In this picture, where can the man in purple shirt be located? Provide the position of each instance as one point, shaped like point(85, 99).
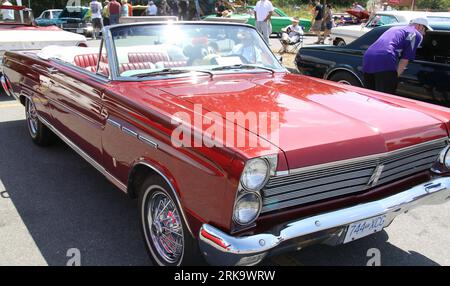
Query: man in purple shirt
point(387, 58)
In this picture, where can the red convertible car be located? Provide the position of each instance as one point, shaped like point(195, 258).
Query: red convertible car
point(337, 163)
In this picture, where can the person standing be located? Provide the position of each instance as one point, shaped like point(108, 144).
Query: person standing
point(184, 6)
point(387, 58)
point(152, 10)
point(114, 12)
point(316, 22)
point(328, 22)
point(263, 13)
point(105, 13)
point(124, 9)
point(130, 9)
point(96, 16)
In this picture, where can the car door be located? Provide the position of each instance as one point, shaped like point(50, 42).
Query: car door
point(76, 106)
point(427, 77)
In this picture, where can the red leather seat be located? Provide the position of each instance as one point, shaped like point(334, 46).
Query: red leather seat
point(152, 57)
point(104, 69)
point(88, 60)
point(136, 66)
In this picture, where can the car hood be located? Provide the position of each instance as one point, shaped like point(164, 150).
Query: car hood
point(319, 122)
point(36, 38)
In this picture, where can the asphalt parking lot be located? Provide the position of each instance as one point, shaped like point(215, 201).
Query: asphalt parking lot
point(51, 201)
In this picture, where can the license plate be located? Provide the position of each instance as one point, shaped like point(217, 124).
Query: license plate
point(80, 31)
point(364, 228)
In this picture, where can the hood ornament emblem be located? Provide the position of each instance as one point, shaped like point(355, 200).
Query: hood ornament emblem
point(375, 176)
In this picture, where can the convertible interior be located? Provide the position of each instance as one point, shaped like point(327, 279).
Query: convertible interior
point(88, 59)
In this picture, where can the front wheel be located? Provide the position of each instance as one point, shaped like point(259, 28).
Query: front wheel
point(345, 78)
point(339, 43)
point(167, 237)
point(39, 133)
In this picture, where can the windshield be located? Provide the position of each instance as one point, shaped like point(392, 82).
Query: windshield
point(15, 16)
point(143, 49)
point(381, 20)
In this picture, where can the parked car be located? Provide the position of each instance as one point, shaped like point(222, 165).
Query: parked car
point(426, 78)
point(19, 34)
point(48, 17)
point(345, 35)
point(279, 19)
point(337, 163)
point(76, 19)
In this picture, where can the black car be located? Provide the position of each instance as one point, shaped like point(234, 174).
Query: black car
point(427, 78)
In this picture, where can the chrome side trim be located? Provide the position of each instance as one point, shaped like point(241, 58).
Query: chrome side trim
point(129, 132)
point(220, 248)
point(114, 123)
point(148, 141)
point(85, 156)
point(173, 191)
point(365, 158)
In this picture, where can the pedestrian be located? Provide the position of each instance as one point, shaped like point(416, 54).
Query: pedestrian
point(124, 9)
point(152, 10)
point(130, 9)
point(96, 16)
point(173, 4)
point(164, 9)
point(105, 13)
point(387, 58)
point(114, 12)
point(184, 4)
point(220, 8)
point(316, 22)
point(328, 22)
point(263, 13)
point(7, 14)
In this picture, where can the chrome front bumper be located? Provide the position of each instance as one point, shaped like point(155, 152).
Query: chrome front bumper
point(220, 248)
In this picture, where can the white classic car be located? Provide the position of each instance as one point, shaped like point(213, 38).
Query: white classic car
point(18, 33)
point(346, 34)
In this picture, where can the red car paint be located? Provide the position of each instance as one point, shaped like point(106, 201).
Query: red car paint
point(321, 122)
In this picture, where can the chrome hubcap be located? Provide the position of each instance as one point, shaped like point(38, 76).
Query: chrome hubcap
point(165, 227)
point(32, 117)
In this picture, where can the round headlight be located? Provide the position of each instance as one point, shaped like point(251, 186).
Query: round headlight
point(255, 174)
point(447, 159)
point(247, 208)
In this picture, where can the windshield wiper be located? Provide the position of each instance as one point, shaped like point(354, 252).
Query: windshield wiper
point(240, 66)
point(168, 71)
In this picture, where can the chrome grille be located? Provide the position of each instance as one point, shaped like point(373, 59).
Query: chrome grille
point(341, 178)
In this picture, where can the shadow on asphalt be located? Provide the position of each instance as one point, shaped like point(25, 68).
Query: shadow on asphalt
point(356, 254)
point(65, 203)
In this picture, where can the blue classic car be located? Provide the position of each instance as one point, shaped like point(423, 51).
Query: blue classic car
point(426, 78)
point(76, 19)
point(48, 17)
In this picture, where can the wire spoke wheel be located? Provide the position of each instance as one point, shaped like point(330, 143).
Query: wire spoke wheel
point(32, 118)
point(165, 227)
